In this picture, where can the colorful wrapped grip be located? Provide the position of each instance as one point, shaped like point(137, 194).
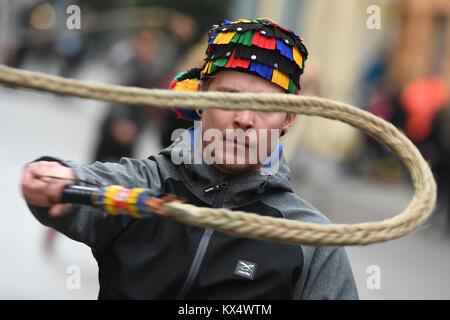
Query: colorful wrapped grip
point(117, 200)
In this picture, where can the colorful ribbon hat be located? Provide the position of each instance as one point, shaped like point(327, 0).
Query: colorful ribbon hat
point(259, 47)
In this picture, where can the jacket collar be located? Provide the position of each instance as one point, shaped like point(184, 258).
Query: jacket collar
point(243, 188)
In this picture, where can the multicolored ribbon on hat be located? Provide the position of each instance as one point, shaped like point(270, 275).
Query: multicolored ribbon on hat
point(259, 47)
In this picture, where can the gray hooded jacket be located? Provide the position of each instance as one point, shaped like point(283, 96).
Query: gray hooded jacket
point(157, 258)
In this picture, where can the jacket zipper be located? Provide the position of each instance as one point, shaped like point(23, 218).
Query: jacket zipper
point(204, 241)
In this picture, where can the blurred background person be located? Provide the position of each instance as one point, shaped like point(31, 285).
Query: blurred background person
point(123, 123)
point(440, 143)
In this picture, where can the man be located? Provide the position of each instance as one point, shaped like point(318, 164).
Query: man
point(157, 258)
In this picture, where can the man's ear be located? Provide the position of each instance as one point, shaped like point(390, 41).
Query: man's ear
point(290, 118)
point(199, 88)
point(200, 85)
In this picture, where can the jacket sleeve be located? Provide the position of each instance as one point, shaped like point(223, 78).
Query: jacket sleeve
point(92, 226)
point(327, 275)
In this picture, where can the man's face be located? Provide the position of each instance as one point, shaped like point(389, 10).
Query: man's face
point(247, 137)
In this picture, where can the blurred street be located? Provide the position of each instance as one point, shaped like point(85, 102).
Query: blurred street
point(34, 124)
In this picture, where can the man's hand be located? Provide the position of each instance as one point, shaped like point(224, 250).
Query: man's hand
point(46, 192)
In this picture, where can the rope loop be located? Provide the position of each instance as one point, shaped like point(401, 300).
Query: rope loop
point(252, 225)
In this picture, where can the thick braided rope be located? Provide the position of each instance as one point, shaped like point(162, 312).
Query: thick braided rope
point(253, 225)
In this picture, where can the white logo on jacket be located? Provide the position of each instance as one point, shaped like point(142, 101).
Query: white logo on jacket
point(246, 269)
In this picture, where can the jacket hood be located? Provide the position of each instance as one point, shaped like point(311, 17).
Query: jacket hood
point(202, 178)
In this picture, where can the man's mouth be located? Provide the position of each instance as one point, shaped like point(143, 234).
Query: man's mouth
point(237, 144)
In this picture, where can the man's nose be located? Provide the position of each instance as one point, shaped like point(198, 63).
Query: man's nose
point(244, 120)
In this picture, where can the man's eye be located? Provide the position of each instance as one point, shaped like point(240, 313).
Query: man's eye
point(265, 113)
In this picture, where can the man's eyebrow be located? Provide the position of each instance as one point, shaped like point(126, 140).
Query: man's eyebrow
point(226, 89)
